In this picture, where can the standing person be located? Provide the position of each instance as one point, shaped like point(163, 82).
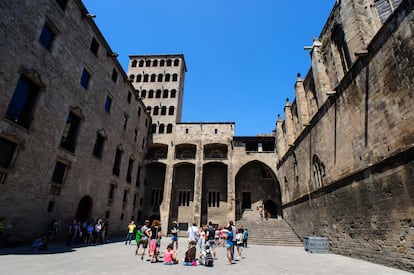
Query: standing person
point(202, 237)
point(174, 235)
point(73, 232)
point(138, 236)
point(229, 243)
point(90, 229)
point(211, 234)
point(239, 242)
point(145, 233)
point(261, 212)
point(155, 240)
point(234, 232)
point(97, 231)
point(130, 235)
point(192, 233)
point(245, 236)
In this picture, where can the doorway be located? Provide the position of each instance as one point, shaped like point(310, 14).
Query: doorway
point(84, 209)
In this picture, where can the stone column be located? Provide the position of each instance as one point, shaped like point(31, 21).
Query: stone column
point(301, 102)
point(320, 76)
point(290, 128)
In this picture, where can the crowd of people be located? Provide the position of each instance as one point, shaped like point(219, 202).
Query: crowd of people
point(205, 238)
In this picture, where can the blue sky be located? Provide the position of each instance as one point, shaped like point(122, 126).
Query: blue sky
point(242, 56)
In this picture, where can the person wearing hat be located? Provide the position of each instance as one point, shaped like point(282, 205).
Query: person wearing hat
point(174, 235)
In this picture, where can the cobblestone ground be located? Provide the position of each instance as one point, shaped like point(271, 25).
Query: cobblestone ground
point(117, 258)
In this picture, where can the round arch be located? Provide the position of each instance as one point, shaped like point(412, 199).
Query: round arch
point(256, 184)
point(84, 210)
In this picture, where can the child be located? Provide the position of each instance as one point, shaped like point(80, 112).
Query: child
point(169, 256)
point(190, 255)
point(206, 258)
point(138, 236)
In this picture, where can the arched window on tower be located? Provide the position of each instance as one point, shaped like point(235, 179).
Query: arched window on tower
point(171, 110)
point(153, 76)
point(146, 76)
point(161, 129)
point(148, 63)
point(169, 62)
point(158, 94)
point(167, 77)
point(156, 110)
point(160, 77)
point(155, 63)
point(176, 62)
point(150, 93)
point(174, 77)
point(149, 109)
point(154, 128)
point(173, 92)
point(134, 63)
point(141, 63)
point(169, 128)
point(139, 78)
point(163, 110)
point(162, 63)
point(385, 8)
point(131, 77)
point(143, 93)
point(165, 94)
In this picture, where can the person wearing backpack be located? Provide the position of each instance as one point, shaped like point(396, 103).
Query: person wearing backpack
point(206, 257)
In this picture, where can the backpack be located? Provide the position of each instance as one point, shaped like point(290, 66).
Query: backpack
point(208, 260)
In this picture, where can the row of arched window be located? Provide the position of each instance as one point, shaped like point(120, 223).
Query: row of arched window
point(153, 77)
point(155, 63)
point(161, 128)
point(157, 94)
point(161, 110)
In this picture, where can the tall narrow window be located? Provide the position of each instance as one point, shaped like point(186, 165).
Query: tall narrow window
point(125, 122)
point(161, 129)
point(154, 128)
point(155, 63)
point(150, 93)
point(139, 111)
point(7, 151)
point(46, 37)
point(174, 77)
point(167, 77)
point(139, 78)
point(148, 63)
point(108, 103)
point(176, 62)
point(171, 110)
point(156, 196)
point(165, 94)
point(111, 193)
point(129, 97)
point(85, 79)
point(59, 172)
point(318, 171)
point(146, 77)
point(117, 162)
point(162, 63)
point(135, 134)
point(143, 93)
point(169, 128)
point(160, 76)
point(141, 63)
point(99, 145)
point(153, 77)
point(129, 171)
point(138, 179)
point(158, 94)
point(70, 133)
point(163, 110)
point(169, 62)
point(173, 93)
point(22, 105)
point(134, 63)
point(94, 46)
point(155, 110)
point(114, 75)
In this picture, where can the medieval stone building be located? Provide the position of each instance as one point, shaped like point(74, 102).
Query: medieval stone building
point(345, 147)
point(80, 138)
point(73, 133)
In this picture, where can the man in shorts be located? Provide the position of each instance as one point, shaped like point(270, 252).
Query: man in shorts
point(144, 237)
point(211, 231)
point(174, 235)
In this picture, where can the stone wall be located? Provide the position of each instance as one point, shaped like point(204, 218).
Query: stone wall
point(363, 137)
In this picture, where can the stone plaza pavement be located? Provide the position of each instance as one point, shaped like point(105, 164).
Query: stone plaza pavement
point(115, 257)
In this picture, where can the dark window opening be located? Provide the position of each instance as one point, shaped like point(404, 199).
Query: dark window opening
point(129, 171)
point(70, 132)
point(94, 46)
point(46, 37)
point(99, 145)
point(108, 103)
point(22, 105)
point(59, 172)
point(50, 206)
point(117, 162)
point(184, 198)
point(114, 75)
point(169, 128)
point(85, 79)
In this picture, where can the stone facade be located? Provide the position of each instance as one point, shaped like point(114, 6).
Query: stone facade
point(346, 167)
point(58, 136)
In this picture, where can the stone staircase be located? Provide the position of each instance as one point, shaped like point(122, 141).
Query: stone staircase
point(275, 232)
